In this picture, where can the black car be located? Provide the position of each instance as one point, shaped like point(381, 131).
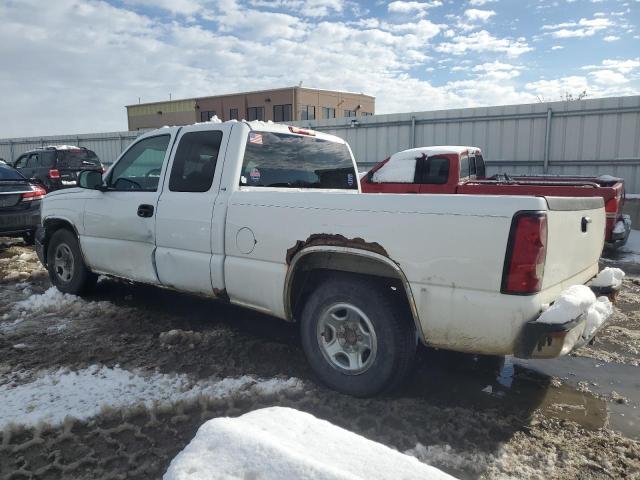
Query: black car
point(57, 166)
point(20, 204)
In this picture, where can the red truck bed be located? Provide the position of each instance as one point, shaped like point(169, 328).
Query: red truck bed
point(461, 170)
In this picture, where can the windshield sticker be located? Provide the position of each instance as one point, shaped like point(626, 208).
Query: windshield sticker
point(255, 175)
point(255, 138)
point(350, 179)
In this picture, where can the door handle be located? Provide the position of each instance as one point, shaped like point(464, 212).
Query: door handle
point(585, 223)
point(145, 211)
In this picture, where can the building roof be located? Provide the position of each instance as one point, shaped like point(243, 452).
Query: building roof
point(246, 93)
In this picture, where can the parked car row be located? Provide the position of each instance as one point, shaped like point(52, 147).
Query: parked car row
point(33, 174)
point(461, 170)
point(270, 217)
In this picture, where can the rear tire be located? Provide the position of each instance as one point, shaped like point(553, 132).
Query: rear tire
point(356, 337)
point(67, 270)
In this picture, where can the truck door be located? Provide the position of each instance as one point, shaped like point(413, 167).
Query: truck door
point(119, 223)
point(432, 175)
point(187, 249)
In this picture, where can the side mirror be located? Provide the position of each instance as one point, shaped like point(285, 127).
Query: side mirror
point(91, 179)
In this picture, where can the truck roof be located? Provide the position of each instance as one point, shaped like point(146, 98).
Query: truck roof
point(412, 153)
point(267, 126)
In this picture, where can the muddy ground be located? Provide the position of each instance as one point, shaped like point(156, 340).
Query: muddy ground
point(569, 418)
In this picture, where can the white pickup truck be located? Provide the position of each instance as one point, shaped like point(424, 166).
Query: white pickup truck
point(271, 217)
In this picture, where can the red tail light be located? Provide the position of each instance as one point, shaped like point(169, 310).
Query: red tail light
point(54, 174)
point(526, 254)
point(38, 193)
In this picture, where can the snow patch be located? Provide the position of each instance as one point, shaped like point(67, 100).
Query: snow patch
point(82, 394)
point(277, 443)
point(575, 301)
point(608, 277)
point(50, 298)
point(572, 302)
point(400, 170)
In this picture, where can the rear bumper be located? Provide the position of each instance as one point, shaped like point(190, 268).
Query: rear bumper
point(545, 340)
point(620, 232)
point(19, 222)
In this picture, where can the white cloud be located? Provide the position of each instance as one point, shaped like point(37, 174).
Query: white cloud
point(483, 41)
point(479, 3)
point(609, 77)
point(306, 8)
point(611, 38)
point(557, 47)
point(498, 70)
point(473, 14)
point(582, 28)
point(413, 8)
point(622, 66)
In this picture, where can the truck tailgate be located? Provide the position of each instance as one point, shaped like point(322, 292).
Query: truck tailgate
point(576, 230)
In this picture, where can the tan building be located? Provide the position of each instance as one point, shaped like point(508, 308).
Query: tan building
point(279, 105)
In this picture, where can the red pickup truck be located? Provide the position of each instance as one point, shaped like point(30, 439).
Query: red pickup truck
point(461, 170)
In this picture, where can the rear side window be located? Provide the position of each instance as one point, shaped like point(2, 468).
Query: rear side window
point(195, 162)
point(79, 159)
point(480, 169)
point(435, 171)
point(296, 161)
point(464, 166)
point(472, 165)
point(47, 159)
point(32, 162)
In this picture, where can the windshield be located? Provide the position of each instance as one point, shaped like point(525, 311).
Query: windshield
point(8, 173)
point(79, 159)
point(295, 161)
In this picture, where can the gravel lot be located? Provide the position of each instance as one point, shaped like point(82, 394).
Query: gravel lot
point(569, 418)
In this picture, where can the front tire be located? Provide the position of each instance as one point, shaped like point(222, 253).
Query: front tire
point(356, 337)
point(66, 266)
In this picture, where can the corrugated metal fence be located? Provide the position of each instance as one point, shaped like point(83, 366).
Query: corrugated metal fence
point(587, 137)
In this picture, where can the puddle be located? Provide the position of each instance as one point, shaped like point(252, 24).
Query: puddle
point(602, 380)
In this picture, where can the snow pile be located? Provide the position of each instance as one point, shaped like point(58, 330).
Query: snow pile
point(396, 170)
point(278, 443)
point(575, 301)
point(608, 277)
point(54, 306)
point(52, 298)
point(84, 393)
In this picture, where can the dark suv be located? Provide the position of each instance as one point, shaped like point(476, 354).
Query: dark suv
point(57, 166)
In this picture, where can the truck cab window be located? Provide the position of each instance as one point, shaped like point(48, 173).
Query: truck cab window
point(140, 167)
point(436, 171)
point(472, 166)
point(296, 161)
point(464, 166)
point(195, 160)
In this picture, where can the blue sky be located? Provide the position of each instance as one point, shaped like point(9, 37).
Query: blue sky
point(70, 66)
